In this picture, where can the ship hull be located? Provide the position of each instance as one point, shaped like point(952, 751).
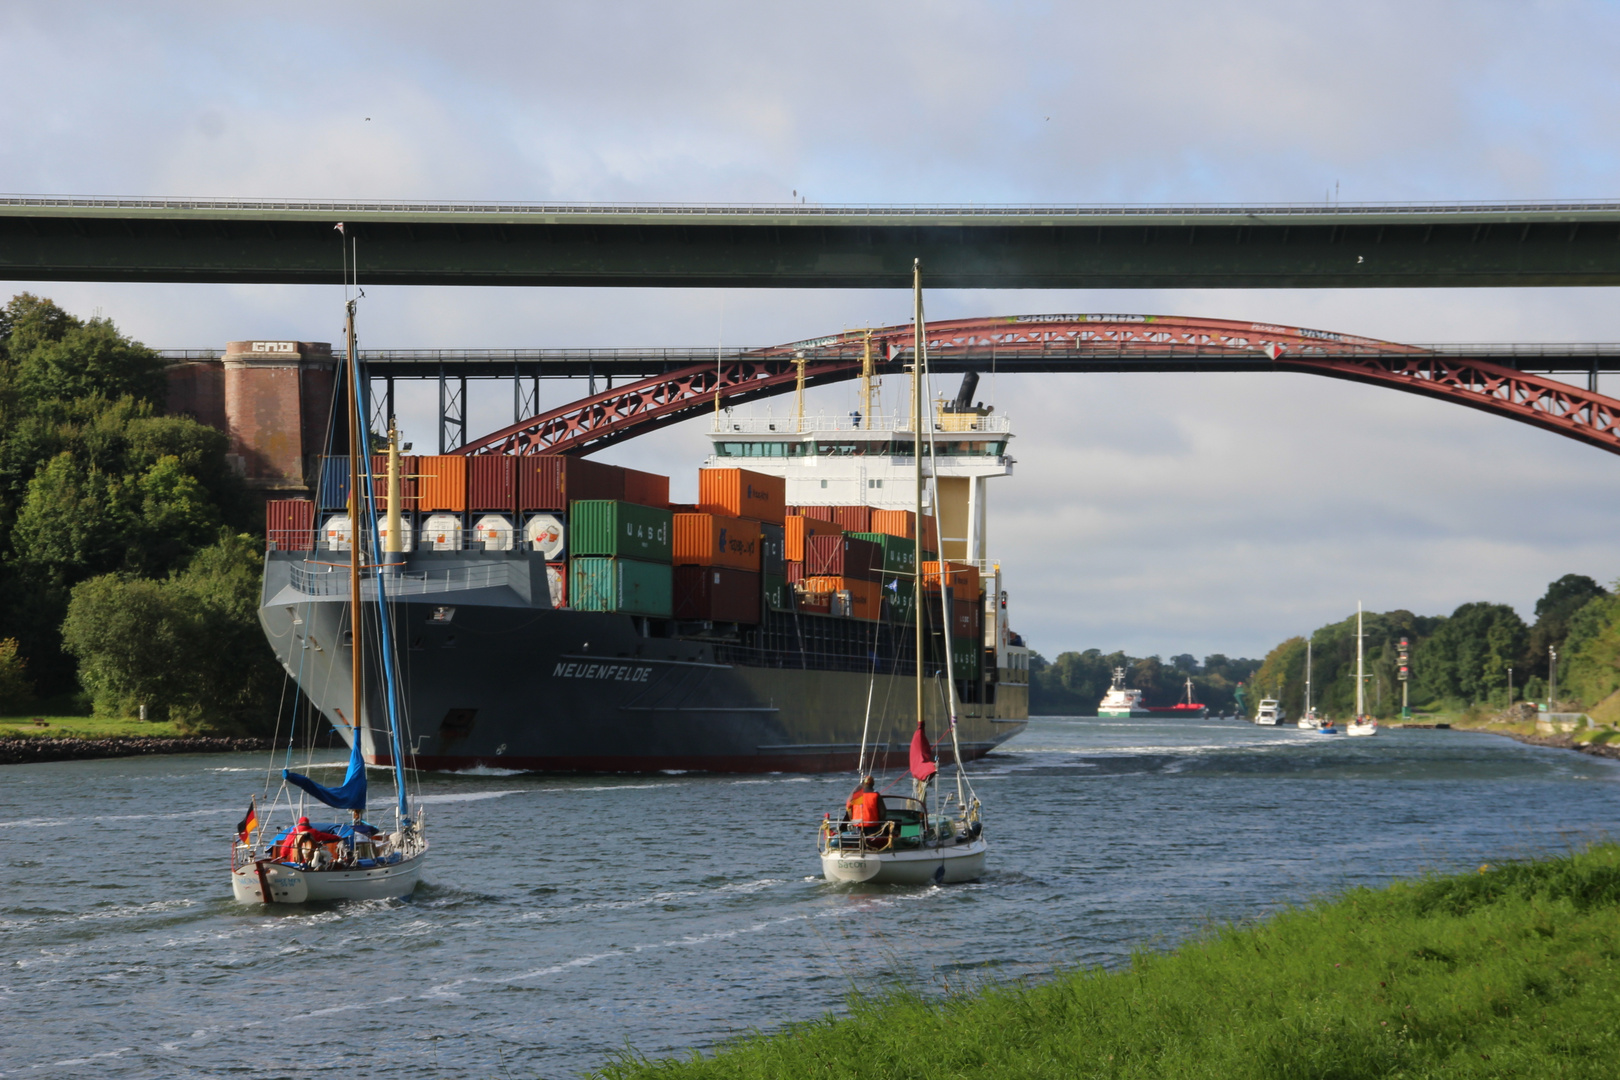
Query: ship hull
point(490, 679)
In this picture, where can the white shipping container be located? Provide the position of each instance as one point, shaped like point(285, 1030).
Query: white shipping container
point(442, 532)
point(545, 533)
point(494, 532)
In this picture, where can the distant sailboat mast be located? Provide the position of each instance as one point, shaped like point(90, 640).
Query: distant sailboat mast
point(1307, 677)
point(1361, 686)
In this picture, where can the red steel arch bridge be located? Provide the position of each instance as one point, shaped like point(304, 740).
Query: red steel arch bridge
point(666, 386)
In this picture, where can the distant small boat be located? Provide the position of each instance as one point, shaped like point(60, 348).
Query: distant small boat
point(1309, 722)
point(1362, 725)
point(1190, 709)
point(1121, 700)
point(1271, 713)
point(1326, 728)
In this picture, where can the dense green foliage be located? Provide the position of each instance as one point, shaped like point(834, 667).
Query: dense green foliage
point(1510, 971)
point(1460, 659)
point(96, 483)
point(1072, 684)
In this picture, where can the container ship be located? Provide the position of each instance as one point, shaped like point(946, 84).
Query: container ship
point(559, 614)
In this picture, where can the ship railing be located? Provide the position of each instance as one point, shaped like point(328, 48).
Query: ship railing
point(944, 422)
point(315, 579)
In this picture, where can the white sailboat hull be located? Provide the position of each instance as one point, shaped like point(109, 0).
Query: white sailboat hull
point(291, 885)
point(948, 865)
point(1361, 729)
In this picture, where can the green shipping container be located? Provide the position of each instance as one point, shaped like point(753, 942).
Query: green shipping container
point(620, 530)
point(627, 586)
point(899, 600)
point(778, 595)
point(965, 657)
point(899, 554)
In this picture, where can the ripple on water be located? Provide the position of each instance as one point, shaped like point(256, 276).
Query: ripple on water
point(561, 917)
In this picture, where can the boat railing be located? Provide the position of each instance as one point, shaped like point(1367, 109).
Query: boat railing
point(320, 579)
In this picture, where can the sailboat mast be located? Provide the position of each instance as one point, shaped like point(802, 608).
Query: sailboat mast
point(1307, 677)
point(918, 606)
point(1361, 685)
point(356, 446)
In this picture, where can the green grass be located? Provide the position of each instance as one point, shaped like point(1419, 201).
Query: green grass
point(1512, 971)
point(86, 727)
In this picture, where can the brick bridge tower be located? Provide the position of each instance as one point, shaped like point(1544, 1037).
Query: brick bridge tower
point(273, 399)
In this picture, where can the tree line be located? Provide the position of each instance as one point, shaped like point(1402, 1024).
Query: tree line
point(1072, 684)
point(129, 551)
point(1477, 655)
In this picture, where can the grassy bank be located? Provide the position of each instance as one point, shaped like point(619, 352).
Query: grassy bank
point(1511, 971)
point(86, 727)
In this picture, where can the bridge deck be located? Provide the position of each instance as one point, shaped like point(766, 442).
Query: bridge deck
point(59, 238)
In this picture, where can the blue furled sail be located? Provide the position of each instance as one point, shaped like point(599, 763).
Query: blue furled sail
point(349, 795)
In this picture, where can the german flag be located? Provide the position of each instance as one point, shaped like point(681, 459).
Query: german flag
point(249, 822)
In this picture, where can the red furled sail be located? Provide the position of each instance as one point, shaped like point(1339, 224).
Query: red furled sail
point(922, 756)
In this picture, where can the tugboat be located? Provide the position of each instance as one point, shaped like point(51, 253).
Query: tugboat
point(1189, 709)
point(1121, 701)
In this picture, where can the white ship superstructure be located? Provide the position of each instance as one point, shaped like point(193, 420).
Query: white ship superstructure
point(866, 459)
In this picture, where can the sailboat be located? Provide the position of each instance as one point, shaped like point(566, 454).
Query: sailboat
point(1308, 719)
point(928, 837)
point(1361, 723)
point(307, 861)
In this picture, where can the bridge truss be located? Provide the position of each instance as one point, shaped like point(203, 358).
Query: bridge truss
point(1490, 378)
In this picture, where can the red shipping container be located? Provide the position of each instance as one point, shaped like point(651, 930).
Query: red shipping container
point(552, 481)
point(407, 481)
point(795, 571)
point(289, 525)
point(853, 518)
point(901, 523)
point(843, 556)
point(800, 527)
point(717, 592)
point(865, 598)
point(964, 617)
point(646, 489)
point(712, 540)
point(441, 483)
point(744, 494)
point(492, 482)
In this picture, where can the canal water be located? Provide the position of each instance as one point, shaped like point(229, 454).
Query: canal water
point(564, 920)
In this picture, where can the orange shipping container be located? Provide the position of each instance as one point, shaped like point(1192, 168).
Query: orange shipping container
point(865, 597)
point(853, 518)
point(800, 528)
point(646, 489)
point(441, 483)
point(744, 494)
point(895, 523)
point(713, 540)
point(963, 578)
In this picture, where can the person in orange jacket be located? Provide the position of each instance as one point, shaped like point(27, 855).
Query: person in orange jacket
point(300, 843)
point(864, 810)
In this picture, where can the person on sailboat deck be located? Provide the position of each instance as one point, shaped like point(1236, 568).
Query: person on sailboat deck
point(864, 809)
point(299, 846)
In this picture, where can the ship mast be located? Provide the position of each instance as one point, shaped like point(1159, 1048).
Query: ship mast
point(917, 602)
point(356, 446)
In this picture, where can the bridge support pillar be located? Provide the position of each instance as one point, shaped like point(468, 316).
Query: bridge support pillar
point(272, 400)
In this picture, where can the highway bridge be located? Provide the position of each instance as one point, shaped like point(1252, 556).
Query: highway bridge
point(1324, 245)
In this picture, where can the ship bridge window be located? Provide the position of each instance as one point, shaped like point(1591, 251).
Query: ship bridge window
point(764, 449)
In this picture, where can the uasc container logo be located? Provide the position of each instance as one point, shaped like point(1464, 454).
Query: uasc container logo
point(644, 532)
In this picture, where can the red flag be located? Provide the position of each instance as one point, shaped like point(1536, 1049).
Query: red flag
point(922, 756)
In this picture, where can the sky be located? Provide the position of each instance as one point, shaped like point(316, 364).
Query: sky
point(1157, 513)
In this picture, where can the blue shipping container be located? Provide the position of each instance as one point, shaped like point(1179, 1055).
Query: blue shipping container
point(334, 483)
